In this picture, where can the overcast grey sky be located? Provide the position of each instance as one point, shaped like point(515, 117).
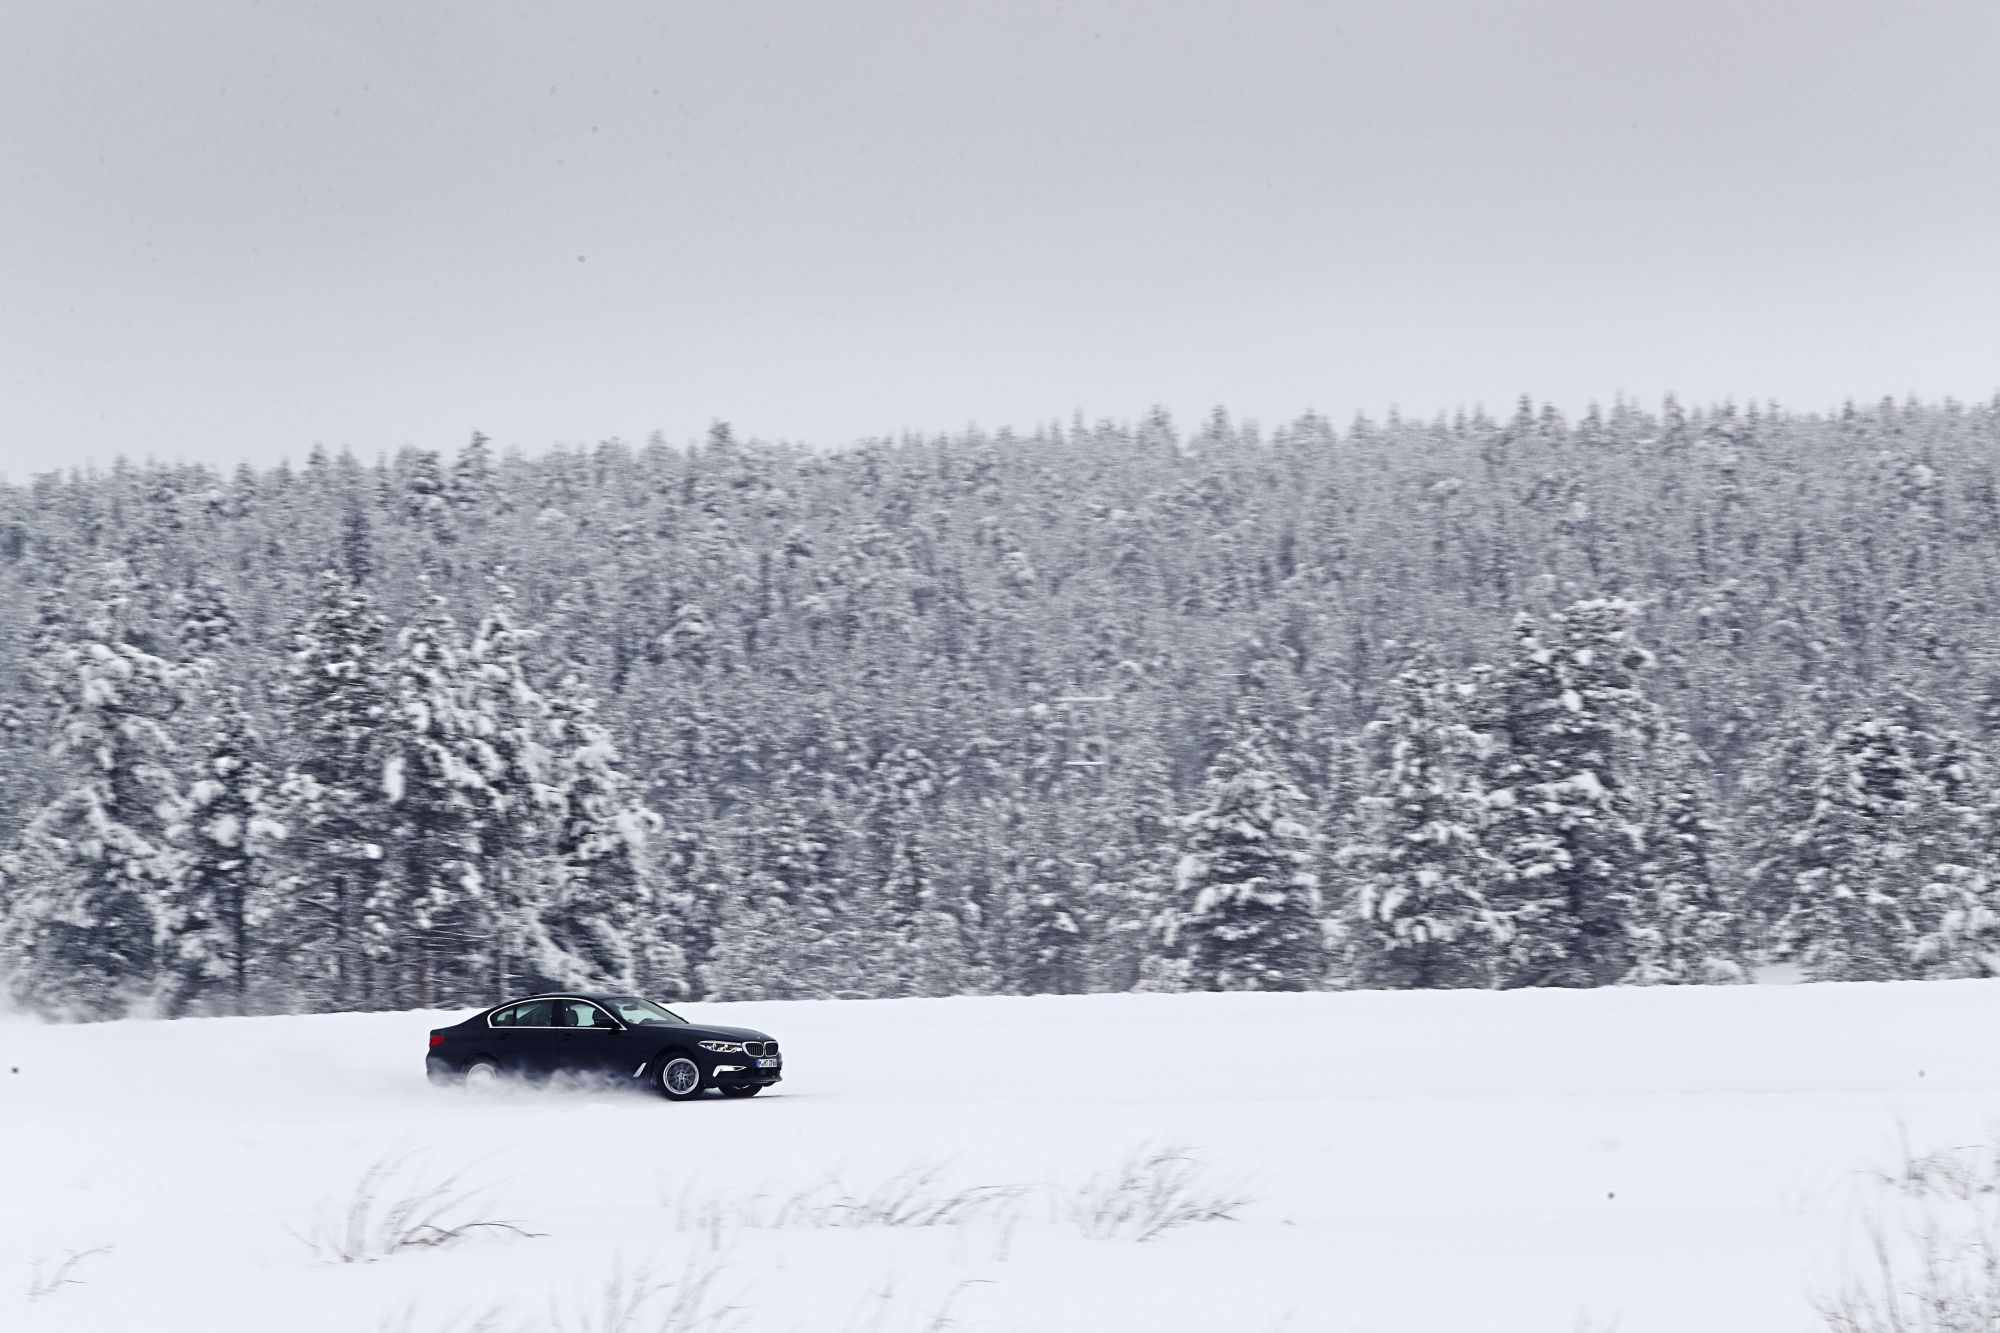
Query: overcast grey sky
point(229, 230)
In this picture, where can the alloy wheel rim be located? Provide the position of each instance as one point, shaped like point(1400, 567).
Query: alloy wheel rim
point(681, 1076)
point(481, 1078)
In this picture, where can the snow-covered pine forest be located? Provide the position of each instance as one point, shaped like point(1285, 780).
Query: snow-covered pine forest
point(1646, 696)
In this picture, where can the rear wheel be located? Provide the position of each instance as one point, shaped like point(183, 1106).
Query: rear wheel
point(678, 1078)
point(481, 1077)
point(746, 1090)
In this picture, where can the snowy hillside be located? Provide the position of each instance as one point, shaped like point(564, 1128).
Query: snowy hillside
point(1655, 1160)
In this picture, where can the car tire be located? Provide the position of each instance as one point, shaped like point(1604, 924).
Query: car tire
point(481, 1077)
point(678, 1077)
point(747, 1090)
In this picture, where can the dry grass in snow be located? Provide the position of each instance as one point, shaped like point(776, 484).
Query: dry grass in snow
point(1154, 1191)
point(400, 1204)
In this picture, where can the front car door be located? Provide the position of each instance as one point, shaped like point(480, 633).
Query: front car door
point(593, 1044)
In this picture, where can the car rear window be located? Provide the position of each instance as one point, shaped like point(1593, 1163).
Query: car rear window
point(533, 1014)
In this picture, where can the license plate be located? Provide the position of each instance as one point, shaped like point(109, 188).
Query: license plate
point(770, 1063)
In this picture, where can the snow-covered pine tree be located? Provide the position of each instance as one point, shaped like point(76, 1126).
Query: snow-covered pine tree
point(1567, 827)
point(337, 704)
point(425, 499)
point(521, 800)
point(905, 938)
point(1048, 957)
point(472, 489)
point(756, 951)
point(1961, 936)
point(231, 827)
point(89, 877)
point(690, 639)
point(1856, 863)
point(1776, 802)
point(425, 918)
point(783, 933)
point(942, 956)
point(1419, 914)
point(798, 846)
point(1887, 874)
point(911, 945)
point(1686, 926)
point(690, 897)
point(1341, 817)
point(208, 622)
point(604, 925)
point(1132, 853)
point(1961, 917)
point(1248, 909)
point(778, 929)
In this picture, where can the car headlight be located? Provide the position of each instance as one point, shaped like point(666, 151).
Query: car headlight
point(723, 1047)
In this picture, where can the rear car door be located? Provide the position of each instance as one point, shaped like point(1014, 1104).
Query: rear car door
point(523, 1037)
point(593, 1043)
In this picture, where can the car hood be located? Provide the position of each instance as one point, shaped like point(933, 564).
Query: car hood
point(700, 1030)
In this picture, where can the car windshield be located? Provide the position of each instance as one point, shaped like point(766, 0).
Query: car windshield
point(644, 1013)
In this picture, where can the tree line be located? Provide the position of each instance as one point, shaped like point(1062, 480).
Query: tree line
point(1648, 696)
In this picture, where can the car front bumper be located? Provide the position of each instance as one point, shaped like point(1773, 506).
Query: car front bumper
point(738, 1071)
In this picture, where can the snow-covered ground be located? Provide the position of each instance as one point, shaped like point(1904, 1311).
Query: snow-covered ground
point(1673, 1159)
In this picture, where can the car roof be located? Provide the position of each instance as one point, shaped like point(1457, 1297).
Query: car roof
point(595, 997)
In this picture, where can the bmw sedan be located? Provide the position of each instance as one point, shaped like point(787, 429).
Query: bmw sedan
point(620, 1038)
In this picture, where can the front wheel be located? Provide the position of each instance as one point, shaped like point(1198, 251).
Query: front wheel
point(678, 1078)
point(746, 1090)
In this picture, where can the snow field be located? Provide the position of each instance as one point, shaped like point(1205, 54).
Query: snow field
point(1662, 1159)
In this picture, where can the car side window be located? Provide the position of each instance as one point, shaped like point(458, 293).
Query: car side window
point(582, 1014)
point(532, 1014)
